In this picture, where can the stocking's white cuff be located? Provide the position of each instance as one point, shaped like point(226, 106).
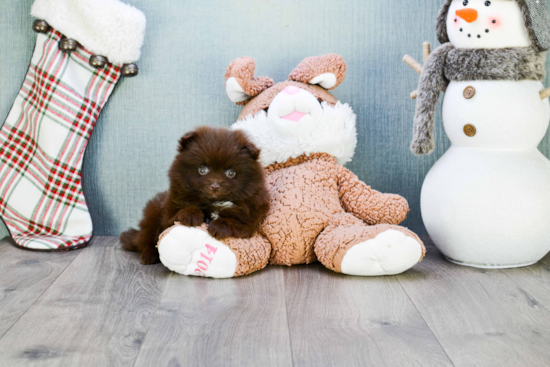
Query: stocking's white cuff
point(105, 27)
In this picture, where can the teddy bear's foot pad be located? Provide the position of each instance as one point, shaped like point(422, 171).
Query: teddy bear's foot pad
point(192, 251)
point(390, 252)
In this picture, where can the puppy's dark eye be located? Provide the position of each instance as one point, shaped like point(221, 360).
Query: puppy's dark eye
point(230, 173)
point(203, 170)
point(487, 3)
point(465, 3)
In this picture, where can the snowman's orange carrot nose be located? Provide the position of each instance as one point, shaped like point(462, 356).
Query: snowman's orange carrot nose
point(468, 15)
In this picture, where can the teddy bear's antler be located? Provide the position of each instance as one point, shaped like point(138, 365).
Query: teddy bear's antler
point(240, 83)
point(328, 71)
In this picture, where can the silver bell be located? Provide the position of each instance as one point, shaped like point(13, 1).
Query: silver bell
point(67, 44)
point(129, 70)
point(40, 26)
point(98, 61)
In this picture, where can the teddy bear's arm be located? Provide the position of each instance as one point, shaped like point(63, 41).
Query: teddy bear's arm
point(371, 206)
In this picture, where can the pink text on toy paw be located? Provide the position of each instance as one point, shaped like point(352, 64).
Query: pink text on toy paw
point(202, 265)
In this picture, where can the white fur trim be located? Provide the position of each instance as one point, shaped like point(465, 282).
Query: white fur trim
point(335, 134)
point(105, 27)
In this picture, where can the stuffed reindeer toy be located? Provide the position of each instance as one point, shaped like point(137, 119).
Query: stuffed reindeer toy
point(320, 211)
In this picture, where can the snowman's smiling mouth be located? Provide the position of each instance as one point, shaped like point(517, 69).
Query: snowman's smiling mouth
point(470, 34)
point(294, 116)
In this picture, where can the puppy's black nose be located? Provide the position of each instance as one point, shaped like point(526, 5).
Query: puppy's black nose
point(215, 186)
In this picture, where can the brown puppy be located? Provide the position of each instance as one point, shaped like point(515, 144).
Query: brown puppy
point(215, 176)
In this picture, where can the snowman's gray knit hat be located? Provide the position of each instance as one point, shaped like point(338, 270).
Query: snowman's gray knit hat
point(534, 14)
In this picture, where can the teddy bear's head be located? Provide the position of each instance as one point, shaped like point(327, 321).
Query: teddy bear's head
point(295, 117)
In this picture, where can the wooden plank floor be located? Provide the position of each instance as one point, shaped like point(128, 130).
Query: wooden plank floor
point(100, 307)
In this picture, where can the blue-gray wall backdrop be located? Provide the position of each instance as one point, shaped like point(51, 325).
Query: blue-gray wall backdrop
point(188, 45)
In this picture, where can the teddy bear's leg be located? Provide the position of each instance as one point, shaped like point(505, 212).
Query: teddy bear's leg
point(192, 251)
point(350, 246)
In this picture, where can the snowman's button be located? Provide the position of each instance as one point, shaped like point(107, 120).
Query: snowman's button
point(469, 130)
point(469, 92)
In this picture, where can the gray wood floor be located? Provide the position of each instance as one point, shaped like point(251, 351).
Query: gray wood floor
point(100, 307)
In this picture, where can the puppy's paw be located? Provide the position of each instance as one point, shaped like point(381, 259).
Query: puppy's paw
point(150, 256)
point(220, 229)
point(190, 217)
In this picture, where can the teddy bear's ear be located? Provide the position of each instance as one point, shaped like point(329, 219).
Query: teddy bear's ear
point(328, 71)
point(240, 83)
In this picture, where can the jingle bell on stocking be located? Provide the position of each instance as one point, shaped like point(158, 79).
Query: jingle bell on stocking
point(83, 48)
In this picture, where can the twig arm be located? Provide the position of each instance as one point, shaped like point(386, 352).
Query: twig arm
point(427, 50)
point(413, 64)
point(545, 93)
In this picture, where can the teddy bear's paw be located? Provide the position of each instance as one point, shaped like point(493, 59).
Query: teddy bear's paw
point(390, 252)
point(192, 251)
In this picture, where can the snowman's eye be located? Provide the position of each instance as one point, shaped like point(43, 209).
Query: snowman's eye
point(487, 3)
point(465, 3)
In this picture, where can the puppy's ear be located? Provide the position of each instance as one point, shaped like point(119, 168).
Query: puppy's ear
point(252, 150)
point(185, 140)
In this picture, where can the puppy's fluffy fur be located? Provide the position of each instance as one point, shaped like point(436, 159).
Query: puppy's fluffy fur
point(203, 188)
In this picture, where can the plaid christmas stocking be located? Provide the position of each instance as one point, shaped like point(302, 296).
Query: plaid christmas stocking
point(74, 69)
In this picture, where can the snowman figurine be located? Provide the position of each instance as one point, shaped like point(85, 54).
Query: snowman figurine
point(486, 202)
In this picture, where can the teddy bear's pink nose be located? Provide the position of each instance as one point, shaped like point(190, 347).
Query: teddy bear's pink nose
point(291, 90)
